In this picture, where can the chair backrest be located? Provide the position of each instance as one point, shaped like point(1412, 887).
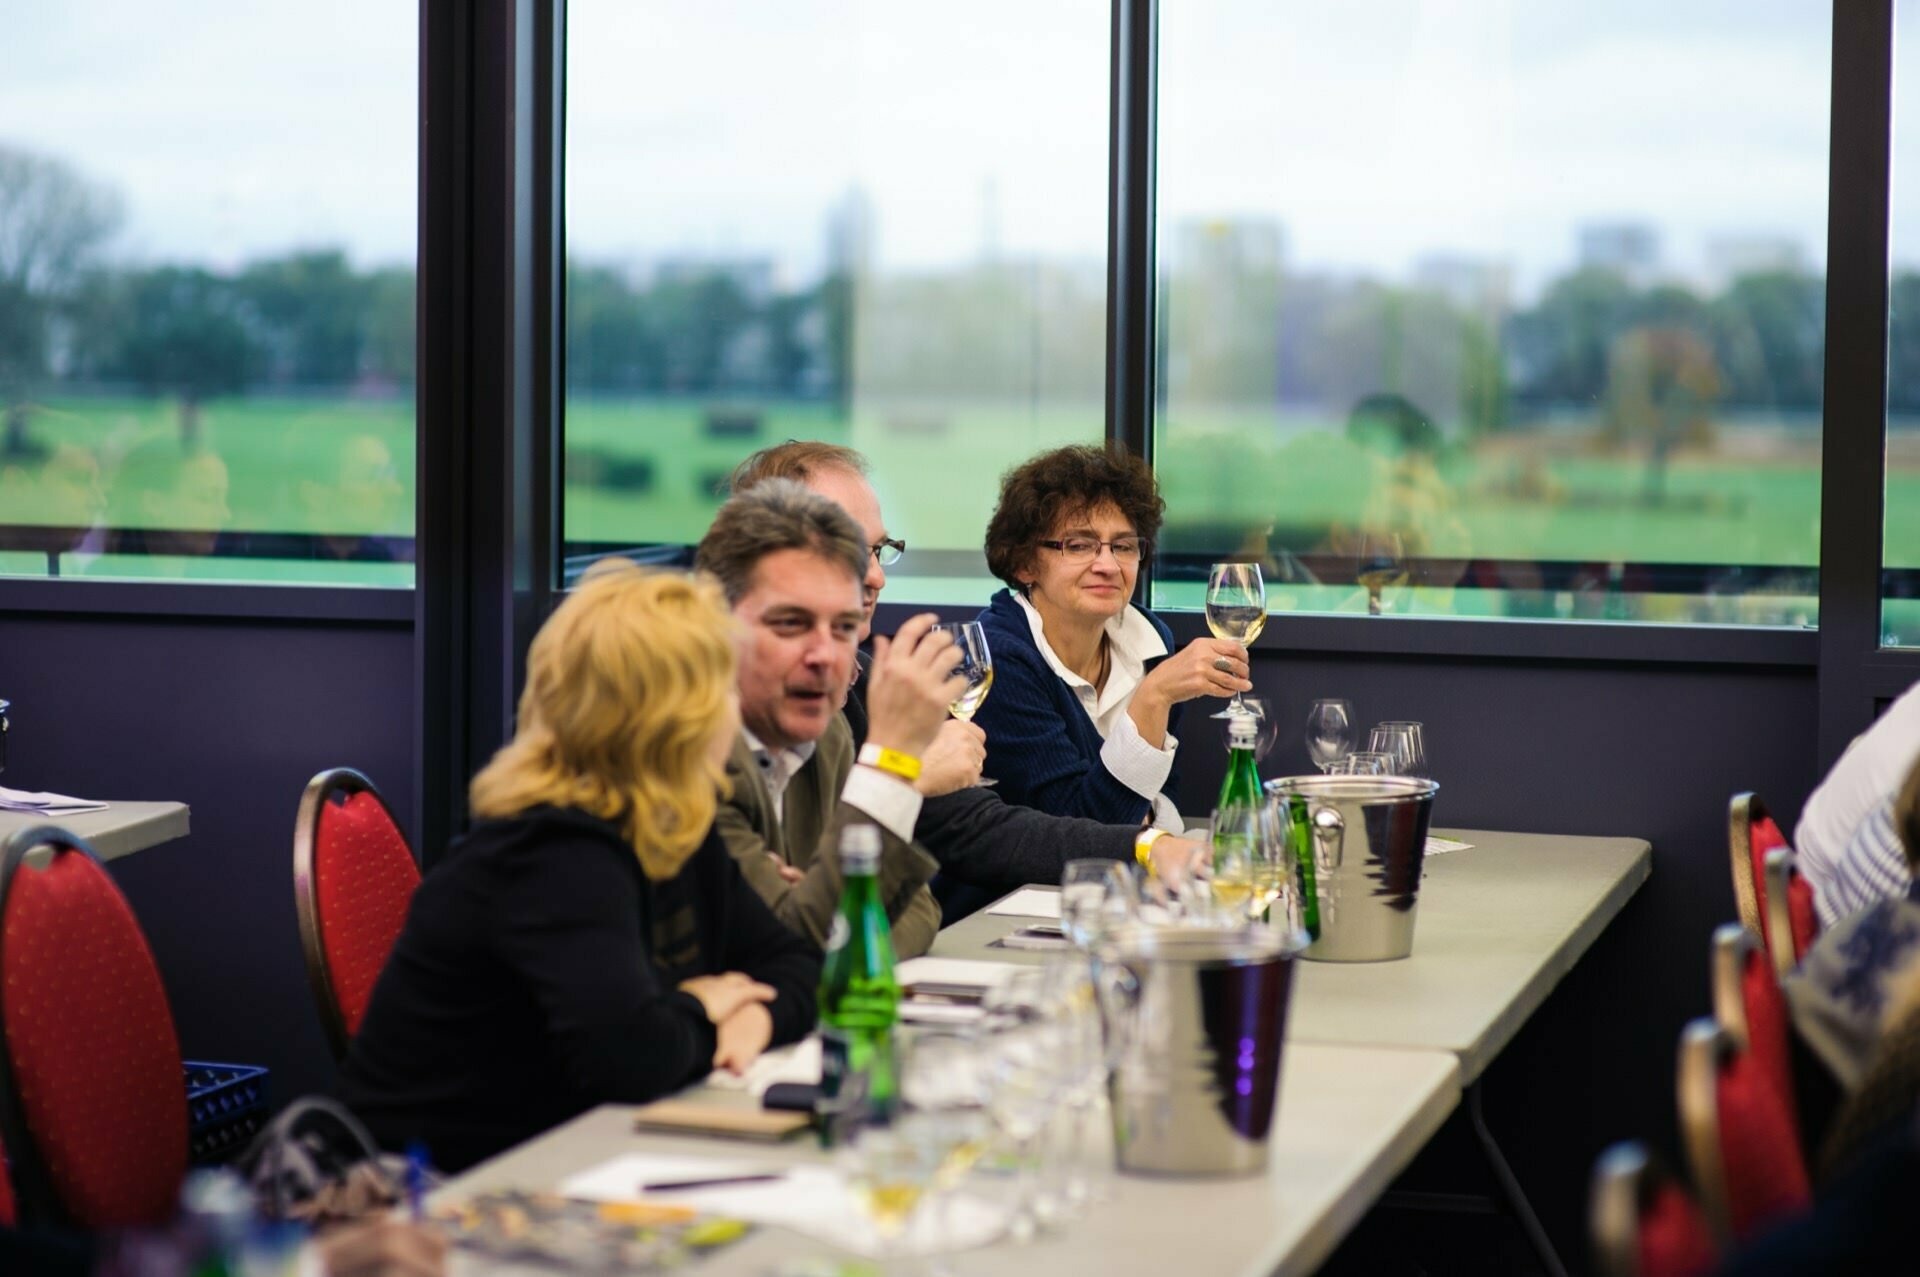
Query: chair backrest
point(92, 1110)
point(1792, 922)
point(1749, 1005)
point(353, 877)
point(1644, 1222)
point(1751, 834)
point(1739, 1134)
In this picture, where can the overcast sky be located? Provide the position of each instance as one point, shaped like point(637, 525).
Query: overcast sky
point(1374, 133)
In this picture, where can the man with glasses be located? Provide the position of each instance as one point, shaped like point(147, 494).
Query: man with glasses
point(985, 846)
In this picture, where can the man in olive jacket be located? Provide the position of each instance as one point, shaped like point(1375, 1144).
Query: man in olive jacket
point(791, 564)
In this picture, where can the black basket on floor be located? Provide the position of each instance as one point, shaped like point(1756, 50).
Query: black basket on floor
point(226, 1105)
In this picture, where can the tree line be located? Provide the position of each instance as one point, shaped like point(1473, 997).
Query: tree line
point(309, 319)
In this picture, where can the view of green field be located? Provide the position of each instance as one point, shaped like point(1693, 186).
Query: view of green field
point(646, 472)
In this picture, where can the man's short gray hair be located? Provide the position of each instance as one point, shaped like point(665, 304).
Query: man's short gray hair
point(775, 515)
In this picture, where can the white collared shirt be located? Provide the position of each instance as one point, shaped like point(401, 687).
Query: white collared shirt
point(1132, 642)
point(888, 799)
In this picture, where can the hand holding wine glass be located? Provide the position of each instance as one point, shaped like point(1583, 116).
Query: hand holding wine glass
point(975, 665)
point(1236, 611)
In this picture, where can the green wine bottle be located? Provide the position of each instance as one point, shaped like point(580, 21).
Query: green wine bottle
point(1241, 788)
point(859, 997)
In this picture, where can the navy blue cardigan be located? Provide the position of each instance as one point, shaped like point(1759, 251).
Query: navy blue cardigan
point(1042, 749)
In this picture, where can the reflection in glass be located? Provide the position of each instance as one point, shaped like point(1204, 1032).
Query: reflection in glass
point(206, 304)
point(1535, 290)
point(822, 238)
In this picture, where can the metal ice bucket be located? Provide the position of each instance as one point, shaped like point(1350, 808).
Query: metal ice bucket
point(1195, 1017)
point(1359, 841)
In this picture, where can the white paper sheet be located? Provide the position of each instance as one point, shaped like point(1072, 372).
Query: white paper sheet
point(1029, 902)
point(808, 1199)
point(45, 804)
point(953, 971)
point(799, 1062)
point(1436, 846)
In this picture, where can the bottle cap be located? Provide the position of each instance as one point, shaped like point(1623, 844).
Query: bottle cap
point(1243, 731)
point(859, 849)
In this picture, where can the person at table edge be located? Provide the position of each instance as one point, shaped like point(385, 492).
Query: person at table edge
point(591, 940)
point(1086, 685)
point(985, 846)
point(790, 563)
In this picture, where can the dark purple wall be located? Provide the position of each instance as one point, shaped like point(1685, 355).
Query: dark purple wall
point(232, 718)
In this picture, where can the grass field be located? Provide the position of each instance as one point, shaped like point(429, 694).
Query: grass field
point(644, 471)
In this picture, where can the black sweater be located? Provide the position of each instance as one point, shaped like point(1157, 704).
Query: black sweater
point(535, 979)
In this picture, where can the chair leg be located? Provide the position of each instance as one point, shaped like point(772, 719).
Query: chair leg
point(1516, 1196)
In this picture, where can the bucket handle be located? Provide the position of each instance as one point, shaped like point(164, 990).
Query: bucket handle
point(1329, 839)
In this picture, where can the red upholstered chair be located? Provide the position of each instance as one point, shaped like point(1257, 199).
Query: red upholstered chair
point(1751, 834)
point(1644, 1222)
point(1748, 1004)
point(353, 876)
point(1792, 923)
point(92, 1111)
point(1739, 1134)
point(9, 1213)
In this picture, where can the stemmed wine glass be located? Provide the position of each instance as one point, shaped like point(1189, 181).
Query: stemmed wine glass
point(1382, 563)
point(1236, 611)
point(1266, 727)
point(1330, 733)
point(976, 664)
point(1249, 855)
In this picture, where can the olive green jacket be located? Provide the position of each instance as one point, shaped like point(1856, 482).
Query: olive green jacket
point(807, 836)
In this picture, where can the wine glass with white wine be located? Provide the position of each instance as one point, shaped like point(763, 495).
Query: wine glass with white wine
point(1236, 611)
point(976, 664)
point(1383, 563)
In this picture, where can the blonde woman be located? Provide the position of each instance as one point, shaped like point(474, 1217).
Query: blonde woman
point(591, 939)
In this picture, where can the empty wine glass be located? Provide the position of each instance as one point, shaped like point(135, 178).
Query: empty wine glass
point(1236, 611)
point(1363, 762)
point(1266, 727)
point(1095, 897)
point(1396, 742)
point(1330, 733)
point(1416, 745)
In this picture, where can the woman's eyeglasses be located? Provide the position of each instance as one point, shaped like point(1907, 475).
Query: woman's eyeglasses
point(1086, 549)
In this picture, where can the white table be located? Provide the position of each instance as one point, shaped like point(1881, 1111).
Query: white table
point(120, 830)
point(1350, 1119)
point(1499, 925)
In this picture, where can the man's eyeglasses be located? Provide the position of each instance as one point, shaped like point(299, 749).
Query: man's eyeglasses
point(1086, 549)
point(887, 551)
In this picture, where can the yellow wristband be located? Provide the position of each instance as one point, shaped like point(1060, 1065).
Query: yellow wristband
point(1143, 847)
point(891, 761)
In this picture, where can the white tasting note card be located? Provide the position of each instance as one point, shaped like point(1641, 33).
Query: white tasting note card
point(1437, 845)
point(1029, 902)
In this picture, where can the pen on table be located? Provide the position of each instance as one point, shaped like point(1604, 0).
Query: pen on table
point(719, 1181)
point(416, 1180)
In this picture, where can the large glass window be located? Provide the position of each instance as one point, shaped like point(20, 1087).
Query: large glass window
point(1509, 310)
point(1900, 559)
point(867, 224)
point(207, 216)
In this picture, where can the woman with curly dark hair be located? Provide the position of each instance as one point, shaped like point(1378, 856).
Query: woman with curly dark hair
point(1086, 686)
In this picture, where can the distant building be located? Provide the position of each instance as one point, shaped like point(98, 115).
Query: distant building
point(1473, 284)
point(1731, 256)
point(1228, 246)
point(1631, 249)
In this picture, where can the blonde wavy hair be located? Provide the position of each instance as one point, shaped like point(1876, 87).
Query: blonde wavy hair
point(627, 683)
